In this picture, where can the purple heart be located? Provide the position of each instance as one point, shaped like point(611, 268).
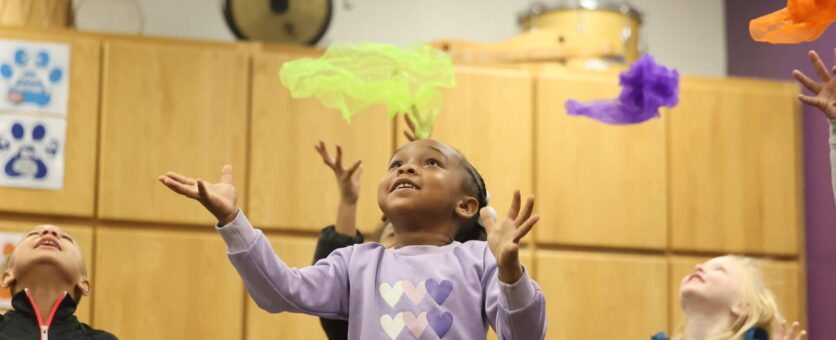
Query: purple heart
point(440, 322)
point(439, 291)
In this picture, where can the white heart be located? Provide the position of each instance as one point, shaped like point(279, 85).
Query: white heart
point(392, 327)
point(391, 294)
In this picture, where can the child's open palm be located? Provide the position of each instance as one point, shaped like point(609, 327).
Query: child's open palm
point(825, 98)
point(504, 240)
point(218, 198)
point(786, 332)
point(348, 180)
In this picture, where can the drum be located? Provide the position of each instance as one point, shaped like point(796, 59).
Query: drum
point(613, 23)
point(302, 22)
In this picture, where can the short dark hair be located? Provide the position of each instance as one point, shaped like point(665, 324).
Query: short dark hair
point(473, 185)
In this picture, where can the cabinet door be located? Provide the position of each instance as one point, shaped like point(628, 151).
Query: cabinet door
point(290, 186)
point(296, 252)
point(598, 184)
point(488, 117)
point(166, 284)
point(175, 107)
point(603, 296)
point(77, 196)
point(82, 234)
point(735, 167)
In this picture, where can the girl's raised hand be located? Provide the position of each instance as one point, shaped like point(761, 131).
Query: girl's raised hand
point(410, 134)
point(786, 332)
point(825, 91)
point(218, 198)
point(348, 180)
point(504, 240)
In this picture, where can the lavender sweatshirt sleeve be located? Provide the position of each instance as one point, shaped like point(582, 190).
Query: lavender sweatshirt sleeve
point(516, 311)
point(321, 289)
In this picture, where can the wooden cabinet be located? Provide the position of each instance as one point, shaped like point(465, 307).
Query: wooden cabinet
point(603, 296)
point(735, 167)
point(168, 106)
point(598, 184)
point(77, 197)
point(166, 284)
point(290, 187)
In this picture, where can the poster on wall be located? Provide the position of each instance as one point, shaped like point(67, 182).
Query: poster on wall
point(34, 76)
point(8, 241)
point(32, 151)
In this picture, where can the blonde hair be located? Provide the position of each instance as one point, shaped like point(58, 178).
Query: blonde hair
point(756, 300)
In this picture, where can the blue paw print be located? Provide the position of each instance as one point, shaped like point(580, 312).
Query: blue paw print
point(34, 80)
point(26, 163)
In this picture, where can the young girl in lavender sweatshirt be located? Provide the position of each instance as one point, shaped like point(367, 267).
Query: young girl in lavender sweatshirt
point(428, 286)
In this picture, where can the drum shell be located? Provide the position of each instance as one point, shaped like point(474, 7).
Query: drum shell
point(618, 29)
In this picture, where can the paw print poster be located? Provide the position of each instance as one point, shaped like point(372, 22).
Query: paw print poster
point(32, 151)
point(34, 76)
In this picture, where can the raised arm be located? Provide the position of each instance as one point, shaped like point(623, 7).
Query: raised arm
point(348, 181)
point(320, 290)
point(514, 303)
point(824, 99)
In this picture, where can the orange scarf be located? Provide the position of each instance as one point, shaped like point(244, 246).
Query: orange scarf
point(800, 21)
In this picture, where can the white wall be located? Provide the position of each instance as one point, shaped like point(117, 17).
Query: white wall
point(686, 34)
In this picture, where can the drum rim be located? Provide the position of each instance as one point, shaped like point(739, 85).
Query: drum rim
point(622, 7)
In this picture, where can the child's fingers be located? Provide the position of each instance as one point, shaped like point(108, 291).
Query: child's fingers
point(323, 152)
point(515, 206)
point(409, 123)
point(359, 173)
point(353, 168)
point(806, 81)
point(180, 178)
point(409, 136)
point(782, 330)
point(526, 211)
point(815, 101)
point(801, 335)
point(203, 193)
point(338, 161)
point(792, 334)
point(180, 188)
point(226, 174)
point(525, 228)
point(491, 216)
point(834, 60)
point(821, 70)
point(486, 218)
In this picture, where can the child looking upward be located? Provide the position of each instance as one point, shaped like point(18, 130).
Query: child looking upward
point(429, 284)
